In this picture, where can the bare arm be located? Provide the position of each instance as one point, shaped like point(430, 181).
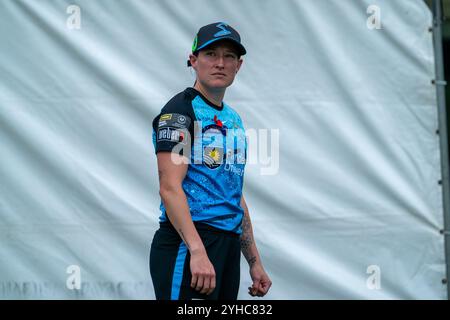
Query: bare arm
point(261, 281)
point(171, 175)
point(248, 245)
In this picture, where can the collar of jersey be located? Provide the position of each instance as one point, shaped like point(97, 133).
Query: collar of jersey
point(195, 91)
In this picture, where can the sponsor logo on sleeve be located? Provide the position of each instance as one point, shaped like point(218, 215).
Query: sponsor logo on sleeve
point(171, 134)
point(166, 116)
point(181, 119)
point(174, 120)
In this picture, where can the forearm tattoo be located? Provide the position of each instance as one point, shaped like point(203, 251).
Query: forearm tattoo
point(184, 239)
point(247, 240)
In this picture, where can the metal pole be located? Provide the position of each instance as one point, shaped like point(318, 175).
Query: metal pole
point(440, 92)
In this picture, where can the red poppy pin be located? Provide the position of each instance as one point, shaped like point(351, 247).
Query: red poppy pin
point(217, 121)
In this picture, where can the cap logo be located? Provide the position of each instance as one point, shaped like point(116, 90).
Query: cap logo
point(223, 31)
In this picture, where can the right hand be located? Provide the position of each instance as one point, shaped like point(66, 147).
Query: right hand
point(203, 274)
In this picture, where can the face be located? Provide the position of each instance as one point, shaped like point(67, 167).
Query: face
point(216, 65)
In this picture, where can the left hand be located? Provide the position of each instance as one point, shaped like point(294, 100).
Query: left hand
point(261, 281)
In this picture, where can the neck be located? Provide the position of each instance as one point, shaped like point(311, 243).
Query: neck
point(213, 95)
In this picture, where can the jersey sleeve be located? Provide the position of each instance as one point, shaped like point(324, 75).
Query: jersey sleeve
point(173, 127)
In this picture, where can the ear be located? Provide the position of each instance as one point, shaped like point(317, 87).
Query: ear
point(193, 60)
point(239, 65)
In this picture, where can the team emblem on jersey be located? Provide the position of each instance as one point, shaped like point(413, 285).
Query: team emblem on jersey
point(213, 144)
point(213, 157)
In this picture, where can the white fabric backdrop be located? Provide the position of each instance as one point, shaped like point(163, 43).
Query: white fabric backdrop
point(357, 184)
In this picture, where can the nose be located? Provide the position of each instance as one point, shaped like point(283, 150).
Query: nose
point(220, 61)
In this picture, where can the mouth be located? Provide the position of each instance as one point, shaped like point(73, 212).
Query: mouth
point(219, 74)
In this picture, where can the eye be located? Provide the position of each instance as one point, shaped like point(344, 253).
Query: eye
point(230, 55)
point(209, 53)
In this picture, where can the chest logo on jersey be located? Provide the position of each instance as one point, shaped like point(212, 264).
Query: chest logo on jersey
point(213, 144)
point(212, 157)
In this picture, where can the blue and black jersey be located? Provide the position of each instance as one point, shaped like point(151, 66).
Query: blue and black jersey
point(213, 139)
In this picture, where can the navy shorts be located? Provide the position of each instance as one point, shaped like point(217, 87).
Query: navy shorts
point(170, 263)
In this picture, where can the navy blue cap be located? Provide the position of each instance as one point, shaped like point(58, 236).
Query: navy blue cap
point(214, 32)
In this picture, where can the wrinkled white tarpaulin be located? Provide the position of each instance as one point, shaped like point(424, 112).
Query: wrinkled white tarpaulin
point(353, 210)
